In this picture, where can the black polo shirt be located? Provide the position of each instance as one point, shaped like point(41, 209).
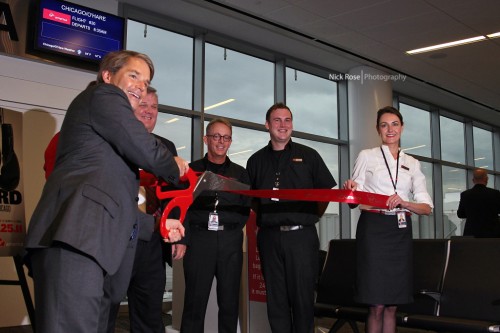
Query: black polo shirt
point(295, 167)
point(231, 208)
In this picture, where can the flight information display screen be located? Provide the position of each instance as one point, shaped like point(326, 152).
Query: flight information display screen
point(81, 32)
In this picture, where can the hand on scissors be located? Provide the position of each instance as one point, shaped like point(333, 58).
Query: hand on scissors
point(175, 230)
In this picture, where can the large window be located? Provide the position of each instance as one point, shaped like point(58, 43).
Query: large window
point(454, 182)
point(463, 154)
point(245, 143)
point(237, 86)
point(416, 137)
point(483, 148)
point(329, 224)
point(313, 101)
point(424, 226)
point(178, 130)
point(172, 55)
point(452, 140)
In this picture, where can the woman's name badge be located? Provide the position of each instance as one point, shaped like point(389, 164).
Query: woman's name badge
point(402, 220)
point(213, 221)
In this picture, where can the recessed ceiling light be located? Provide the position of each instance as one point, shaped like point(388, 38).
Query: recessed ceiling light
point(172, 120)
point(493, 35)
point(446, 45)
point(219, 104)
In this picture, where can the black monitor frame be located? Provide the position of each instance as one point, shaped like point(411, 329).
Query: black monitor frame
point(79, 21)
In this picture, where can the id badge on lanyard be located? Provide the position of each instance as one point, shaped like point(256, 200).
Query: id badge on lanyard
point(402, 220)
point(213, 218)
point(276, 185)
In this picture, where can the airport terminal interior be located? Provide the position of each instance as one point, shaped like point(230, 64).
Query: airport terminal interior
point(334, 63)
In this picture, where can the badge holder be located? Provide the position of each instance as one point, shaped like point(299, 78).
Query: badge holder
point(213, 218)
point(402, 220)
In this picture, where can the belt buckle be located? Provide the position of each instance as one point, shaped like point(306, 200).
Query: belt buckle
point(219, 228)
point(383, 211)
point(395, 212)
point(290, 227)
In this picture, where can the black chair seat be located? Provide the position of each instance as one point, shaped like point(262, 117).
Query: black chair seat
point(325, 310)
point(448, 324)
point(353, 312)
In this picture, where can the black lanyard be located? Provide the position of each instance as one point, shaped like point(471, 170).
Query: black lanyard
point(280, 160)
point(394, 183)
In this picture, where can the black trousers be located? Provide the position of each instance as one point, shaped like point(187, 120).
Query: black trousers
point(212, 254)
point(146, 288)
point(289, 262)
point(72, 292)
point(145, 292)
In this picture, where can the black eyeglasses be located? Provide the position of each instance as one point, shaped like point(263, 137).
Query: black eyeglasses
point(217, 137)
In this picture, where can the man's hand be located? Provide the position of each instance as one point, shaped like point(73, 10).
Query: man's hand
point(175, 230)
point(182, 164)
point(178, 251)
point(351, 185)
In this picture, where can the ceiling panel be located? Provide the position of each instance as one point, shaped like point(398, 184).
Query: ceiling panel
point(292, 17)
point(329, 8)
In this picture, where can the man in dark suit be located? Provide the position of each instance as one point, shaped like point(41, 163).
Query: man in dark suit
point(85, 223)
point(148, 276)
point(480, 205)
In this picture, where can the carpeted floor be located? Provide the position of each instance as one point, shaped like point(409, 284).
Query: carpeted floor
point(122, 325)
point(122, 322)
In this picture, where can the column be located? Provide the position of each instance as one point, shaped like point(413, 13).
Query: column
point(367, 91)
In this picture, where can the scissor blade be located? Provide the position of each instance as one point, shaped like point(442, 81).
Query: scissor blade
point(209, 181)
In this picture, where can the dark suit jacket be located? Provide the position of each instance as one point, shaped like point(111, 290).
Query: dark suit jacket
point(480, 206)
point(147, 222)
point(175, 213)
point(90, 200)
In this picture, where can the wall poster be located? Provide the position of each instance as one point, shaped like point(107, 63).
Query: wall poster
point(12, 215)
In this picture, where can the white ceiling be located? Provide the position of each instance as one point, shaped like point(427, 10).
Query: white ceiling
point(346, 33)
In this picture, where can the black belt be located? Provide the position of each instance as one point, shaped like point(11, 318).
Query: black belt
point(231, 226)
point(386, 212)
point(288, 227)
point(291, 227)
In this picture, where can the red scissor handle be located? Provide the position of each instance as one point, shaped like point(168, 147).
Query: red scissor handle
point(181, 198)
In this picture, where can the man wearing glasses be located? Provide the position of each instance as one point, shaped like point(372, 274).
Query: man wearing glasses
point(214, 237)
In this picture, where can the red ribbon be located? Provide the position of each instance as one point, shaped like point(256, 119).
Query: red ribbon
point(325, 195)
point(184, 198)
